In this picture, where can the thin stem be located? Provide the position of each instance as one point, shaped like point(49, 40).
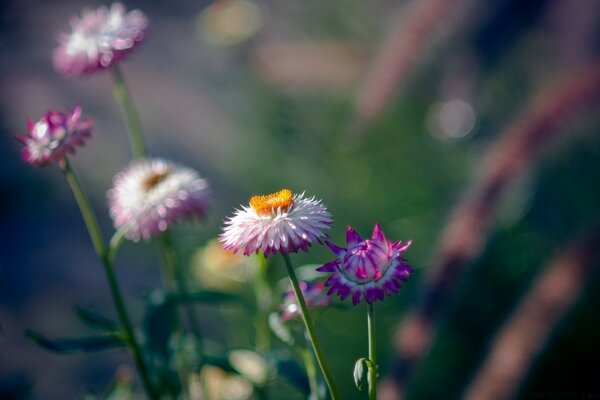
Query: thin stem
point(106, 257)
point(123, 97)
point(372, 379)
point(308, 323)
point(177, 275)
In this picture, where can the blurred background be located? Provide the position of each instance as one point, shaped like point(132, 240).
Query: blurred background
point(470, 127)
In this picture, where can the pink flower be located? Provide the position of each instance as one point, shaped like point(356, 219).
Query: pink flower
point(314, 295)
point(369, 269)
point(54, 136)
point(150, 195)
point(99, 39)
point(276, 223)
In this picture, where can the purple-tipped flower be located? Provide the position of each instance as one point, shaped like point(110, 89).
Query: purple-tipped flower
point(369, 269)
point(314, 295)
point(98, 39)
point(150, 195)
point(276, 223)
point(54, 136)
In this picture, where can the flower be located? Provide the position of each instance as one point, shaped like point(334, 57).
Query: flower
point(314, 295)
point(151, 194)
point(53, 136)
point(276, 223)
point(99, 39)
point(371, 268)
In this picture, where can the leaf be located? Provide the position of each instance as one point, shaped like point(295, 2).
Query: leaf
point(86, 344)
point(95, 320)
point(291, 371)
point(159, 323)
point(359, 371)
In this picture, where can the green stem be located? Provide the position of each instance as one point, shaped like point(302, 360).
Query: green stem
point(106, 256)
point(123, 97)
point(177, 275)
point(308, 323)
point(372, 379)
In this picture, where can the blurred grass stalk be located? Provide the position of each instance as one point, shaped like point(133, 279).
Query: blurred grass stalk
point(531, 325)
point(407, 38)
point(466, 232)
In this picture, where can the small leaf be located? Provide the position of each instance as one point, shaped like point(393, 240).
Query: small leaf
point(86, 344)
point(359, 371)
point(95, 320)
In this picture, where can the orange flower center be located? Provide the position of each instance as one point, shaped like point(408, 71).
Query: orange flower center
point(267, 204)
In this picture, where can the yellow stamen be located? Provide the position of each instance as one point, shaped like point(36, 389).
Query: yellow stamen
point(268, 204)
point(154, 179)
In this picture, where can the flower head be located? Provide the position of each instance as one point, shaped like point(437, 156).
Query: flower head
point(150, 195)
point(369, 269)
point(276, 223)
point(314, 295)
point(98, 39)
point(54, 136)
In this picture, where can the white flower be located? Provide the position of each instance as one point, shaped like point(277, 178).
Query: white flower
point(277, 223)
point(149, 195)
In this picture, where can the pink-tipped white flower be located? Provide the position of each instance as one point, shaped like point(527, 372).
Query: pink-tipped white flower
point(150, 195)
point(277, 223)
point(98, 39)
point(369, 269)
point(55, 135)
point(314, 295)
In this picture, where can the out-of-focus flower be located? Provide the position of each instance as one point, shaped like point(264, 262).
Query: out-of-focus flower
point(54, 136)
point(276, 223)
point(220, 385)
point(150, 195)
point(250, 365)
point(229, 22)
point(98, 39)
point(217, 268)
point(314, 295)
point(369, 269)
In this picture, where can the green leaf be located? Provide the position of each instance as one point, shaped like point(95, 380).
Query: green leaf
point(291, 371)
point(86, 344)
point(95, 320)
point(160, 321)
point(360, 371)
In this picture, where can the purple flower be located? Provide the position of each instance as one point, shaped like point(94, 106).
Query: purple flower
point(98, 39)
point(150, 195)
point(280, 222)
point(314, 295)
point(54, 136)
point(369, 269)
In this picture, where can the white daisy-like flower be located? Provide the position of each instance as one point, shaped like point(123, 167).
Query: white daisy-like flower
point(151, 194)
point(98, 39)
point(276, 223)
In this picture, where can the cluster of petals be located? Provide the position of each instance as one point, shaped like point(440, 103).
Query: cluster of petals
point(151, 194)
point(98, 39)
point(55, 135)
point(314, 295)
point(280, 229)
point(369, 269)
